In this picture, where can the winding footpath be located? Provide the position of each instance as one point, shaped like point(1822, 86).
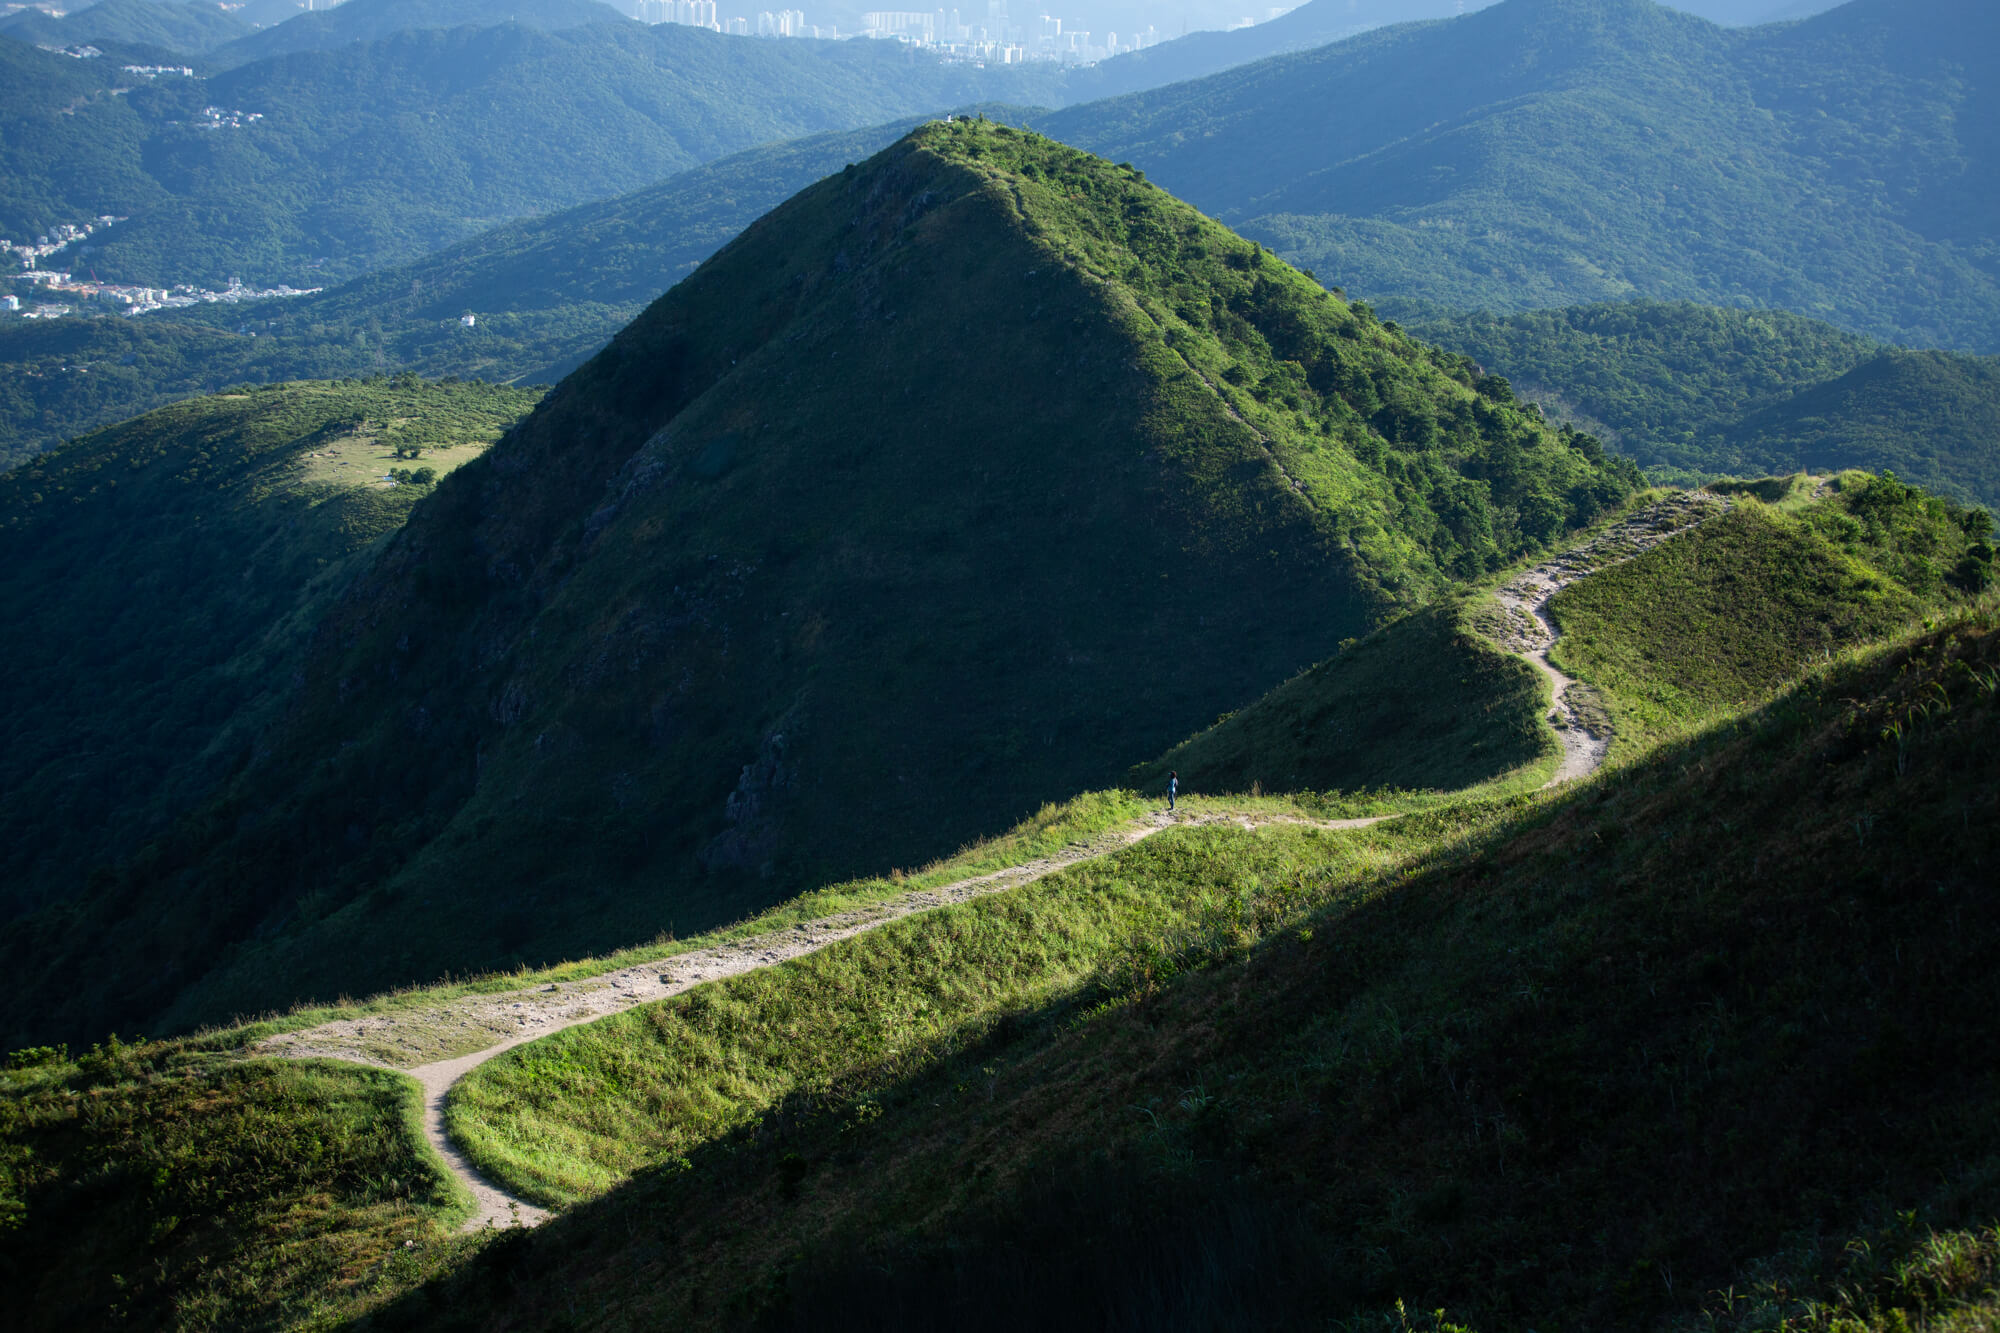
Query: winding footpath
point(468, 1030)
point(513, 1018)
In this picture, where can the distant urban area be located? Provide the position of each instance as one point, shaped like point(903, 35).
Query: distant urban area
point(72, 291)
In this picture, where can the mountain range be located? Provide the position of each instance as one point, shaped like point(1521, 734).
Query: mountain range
point(380, 151)
point(1550, 152)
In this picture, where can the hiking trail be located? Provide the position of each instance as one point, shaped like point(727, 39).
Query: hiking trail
point(468, 1030)
point(513, 1018)
point(1586, 740)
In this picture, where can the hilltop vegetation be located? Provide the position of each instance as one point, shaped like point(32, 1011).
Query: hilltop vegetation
point(1694, 392)
point(161, 578)
point(1099, 431)
point(380, 151)
point(1553, 152)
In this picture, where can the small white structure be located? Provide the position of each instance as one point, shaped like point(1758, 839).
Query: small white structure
point(10, 303)
point(468, 320)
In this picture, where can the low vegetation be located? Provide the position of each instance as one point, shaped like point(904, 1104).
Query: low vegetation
point(160, 1185)
point(1719, 617)
point(1424, 704)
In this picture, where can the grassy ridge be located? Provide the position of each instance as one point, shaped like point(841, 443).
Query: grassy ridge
point(1717, 618)
point(153, 1185)
point(1648, 1030)
point(575, 1114)
point(1426, 703)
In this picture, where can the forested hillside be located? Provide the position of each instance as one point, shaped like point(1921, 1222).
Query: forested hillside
point(161, 579)
point(845, 550)
point(372, 20)
point(382, 151)
point(190, 28)
point(1695, 392)
point(1553, 152)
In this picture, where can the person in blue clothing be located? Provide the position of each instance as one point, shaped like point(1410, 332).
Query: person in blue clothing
point(1173, 787)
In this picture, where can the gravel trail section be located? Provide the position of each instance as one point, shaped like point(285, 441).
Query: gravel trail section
point(1585, 734)
point(513, 1018)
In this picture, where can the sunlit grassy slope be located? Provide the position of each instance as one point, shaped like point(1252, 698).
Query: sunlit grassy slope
point(1732, 995)
point(1717, 618)
point(162, 1186)
point(160, 577)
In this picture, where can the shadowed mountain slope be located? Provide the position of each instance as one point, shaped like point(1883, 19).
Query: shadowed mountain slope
point(1549, 152)
point(160, 580)
point(950, 487)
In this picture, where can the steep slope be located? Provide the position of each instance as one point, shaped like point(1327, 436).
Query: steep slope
point(193, 28)
point(377, 152)
point(160, 579)
point(1696, 391)
point(1725, 1017)
point(951, 486)
point(1549, 152)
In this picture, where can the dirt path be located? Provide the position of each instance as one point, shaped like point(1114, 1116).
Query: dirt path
point(513, 1018)
point(1584, 730)
point(442, 1044)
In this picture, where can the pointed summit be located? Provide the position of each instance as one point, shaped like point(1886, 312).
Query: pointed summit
point(959, 483)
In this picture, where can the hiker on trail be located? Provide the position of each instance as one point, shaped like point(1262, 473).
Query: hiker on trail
point(1173, 787)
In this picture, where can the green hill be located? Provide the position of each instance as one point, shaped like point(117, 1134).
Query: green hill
point(1694, 392)
point(192, 27)
point(1714, 1029)
point(1554, 152)
point(952, 485)
point(1427, 703)
point(380, 151)
point(161, 578)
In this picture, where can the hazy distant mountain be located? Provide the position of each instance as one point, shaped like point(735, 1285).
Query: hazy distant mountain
point(191, 28)
point(1552, 152)
point(377, 152)
point(370, 20)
